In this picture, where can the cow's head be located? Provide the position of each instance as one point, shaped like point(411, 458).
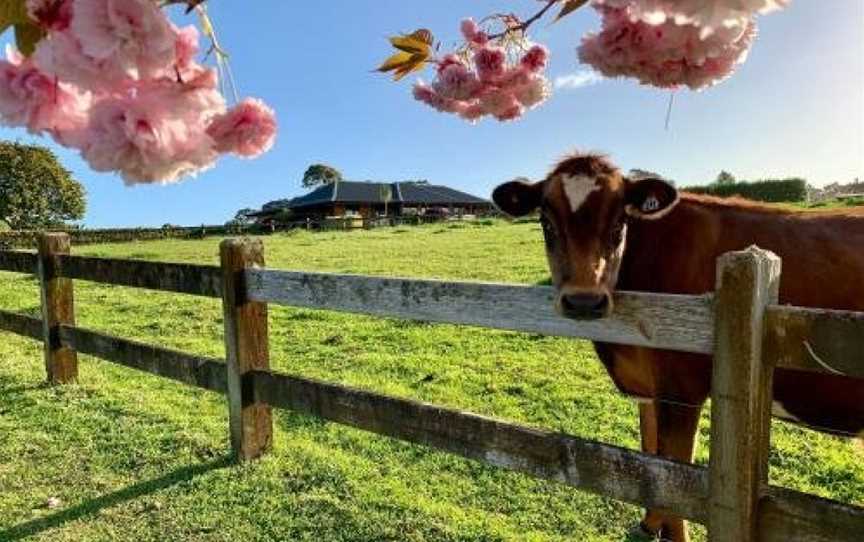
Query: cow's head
point(585, 207)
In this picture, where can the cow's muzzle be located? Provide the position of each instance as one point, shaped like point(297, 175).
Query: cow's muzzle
point(584, 305)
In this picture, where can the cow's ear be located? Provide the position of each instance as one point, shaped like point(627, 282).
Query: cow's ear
point(519, 197)
point(650, 198)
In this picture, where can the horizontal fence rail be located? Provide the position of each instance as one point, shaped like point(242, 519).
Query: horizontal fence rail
point(603, 469)
point(21, 324)
point(19, 262)
point(816, 340)
point(200, 280)
point(618, 473)
point(786, 515)
point(674, 322)
point(197, 371)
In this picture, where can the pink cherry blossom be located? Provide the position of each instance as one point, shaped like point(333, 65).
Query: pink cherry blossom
point(664, 55)
point(533, 93)
point(472, 33)
point(132, 34)
point(502, 104)
point(50, 14)
point(456, 81)
point(426, 94)
point(30, 98)
point(60, 55)
point(487, 83)
point(708, 15)
point(158, 133)
point(247, 130)
point(490, 62)
point(185, 46)
point(536, 58)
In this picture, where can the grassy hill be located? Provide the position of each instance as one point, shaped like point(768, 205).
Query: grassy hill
point(133, 457)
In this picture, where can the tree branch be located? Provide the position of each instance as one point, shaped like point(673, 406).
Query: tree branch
point(523, 26)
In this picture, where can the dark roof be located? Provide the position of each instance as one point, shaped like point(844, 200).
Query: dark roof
point(429, 194)
point(409, 193)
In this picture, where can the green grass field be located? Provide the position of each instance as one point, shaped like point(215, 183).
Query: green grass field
point(133, 457)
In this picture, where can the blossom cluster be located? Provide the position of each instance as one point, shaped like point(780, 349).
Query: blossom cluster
point(116, 80)
point(484, 81)
point(663, 52)
point(708, 15)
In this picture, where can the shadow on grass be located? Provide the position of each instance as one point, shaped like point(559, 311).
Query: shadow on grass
point(87, 508)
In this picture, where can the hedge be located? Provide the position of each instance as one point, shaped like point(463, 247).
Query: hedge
point(776, 191)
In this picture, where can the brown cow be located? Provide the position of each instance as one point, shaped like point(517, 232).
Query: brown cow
point(605, 231)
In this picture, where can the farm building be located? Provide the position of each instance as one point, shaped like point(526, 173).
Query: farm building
point(369, 199)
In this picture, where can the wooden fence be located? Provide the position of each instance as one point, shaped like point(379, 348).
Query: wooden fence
point(741, 325)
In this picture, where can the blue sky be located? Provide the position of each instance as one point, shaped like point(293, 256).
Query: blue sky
point(796, 108)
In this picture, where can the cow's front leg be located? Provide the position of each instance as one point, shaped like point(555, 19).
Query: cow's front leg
point(668, 430)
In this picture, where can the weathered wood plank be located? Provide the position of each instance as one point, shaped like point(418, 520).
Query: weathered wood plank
point(247, 348)
point(786, 515)
point(816, 340)
point(198, 371)
point(607, 470)
point(19, 262)
point(747, 282)
point(200, 280)
point(21, 324)
point(662, 321)
point(58, 308)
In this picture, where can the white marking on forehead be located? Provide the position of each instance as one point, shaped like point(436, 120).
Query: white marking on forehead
point(599, 269)
point(578, 188)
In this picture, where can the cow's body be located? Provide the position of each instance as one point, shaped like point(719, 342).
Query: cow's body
point(605, 231)
point(823, 266)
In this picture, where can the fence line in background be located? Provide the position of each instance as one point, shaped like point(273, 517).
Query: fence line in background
point(741, 325)
point(29, 238)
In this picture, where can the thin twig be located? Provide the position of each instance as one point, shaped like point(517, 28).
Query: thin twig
point(523, 26)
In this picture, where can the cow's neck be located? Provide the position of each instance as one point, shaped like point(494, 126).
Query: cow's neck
point(677, 253)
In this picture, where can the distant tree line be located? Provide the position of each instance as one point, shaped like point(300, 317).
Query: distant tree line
point(767, 190)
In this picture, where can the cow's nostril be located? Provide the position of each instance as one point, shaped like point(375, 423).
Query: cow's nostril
point(585, 305)
point(602, 304)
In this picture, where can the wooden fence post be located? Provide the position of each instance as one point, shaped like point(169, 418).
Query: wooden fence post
point(747, 282)
point(58, 307)
point(246, 348)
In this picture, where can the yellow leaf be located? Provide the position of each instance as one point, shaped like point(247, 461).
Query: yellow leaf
point(394, 61)
point(413, 51)
point(402, 63)
point(417, 42)
point(13, 12)
point(27, 35)
point(416, 63)
point(569, 7)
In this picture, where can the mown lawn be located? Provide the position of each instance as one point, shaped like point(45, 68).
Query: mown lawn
point(127, 456)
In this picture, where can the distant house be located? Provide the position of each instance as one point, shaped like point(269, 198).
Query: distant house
point(368, 200)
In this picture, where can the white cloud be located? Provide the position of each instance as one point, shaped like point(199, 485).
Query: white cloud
point(579, 79)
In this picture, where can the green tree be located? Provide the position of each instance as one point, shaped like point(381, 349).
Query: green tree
point(725, 178)
point(320, 174)
point(244, 216)
point(36, 192)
